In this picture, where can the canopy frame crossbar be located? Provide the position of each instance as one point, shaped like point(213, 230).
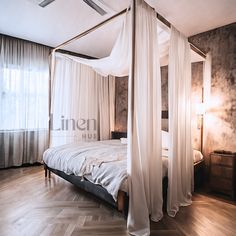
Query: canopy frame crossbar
point(90, 30)
point(192, 46)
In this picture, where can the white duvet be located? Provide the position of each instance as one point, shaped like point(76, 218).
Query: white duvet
point(101, 162)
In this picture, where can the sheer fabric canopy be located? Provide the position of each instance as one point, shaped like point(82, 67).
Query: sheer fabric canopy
point(144, 136)
point(153, 48)
point(144, 143)
point(83, 103)
point(118, 62)
point(180, 160)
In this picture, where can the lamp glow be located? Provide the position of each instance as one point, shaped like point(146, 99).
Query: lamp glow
point(200, 109)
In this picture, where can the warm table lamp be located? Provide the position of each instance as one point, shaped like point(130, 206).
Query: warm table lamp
point(200, 111)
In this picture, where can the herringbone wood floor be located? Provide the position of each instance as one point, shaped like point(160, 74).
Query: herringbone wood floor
point(32, 205)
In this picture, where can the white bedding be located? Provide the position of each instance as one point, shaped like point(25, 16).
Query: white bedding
point(197, 155)
point(101, 162)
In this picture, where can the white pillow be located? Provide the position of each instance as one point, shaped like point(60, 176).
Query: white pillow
point(165, 139)
point(123, 140)
point(165, 153)
point(197, 156)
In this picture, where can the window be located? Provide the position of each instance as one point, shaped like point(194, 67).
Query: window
point(24, 99)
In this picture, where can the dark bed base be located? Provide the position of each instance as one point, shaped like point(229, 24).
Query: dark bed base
point(86, 185)
point(122, 203)
point(199, 174)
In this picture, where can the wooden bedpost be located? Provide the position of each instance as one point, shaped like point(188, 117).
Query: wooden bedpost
point(121, 200)
point(45, 170)
point(123, 203)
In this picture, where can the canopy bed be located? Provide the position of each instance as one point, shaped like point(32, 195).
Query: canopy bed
point(143, 45)
point(100, 167)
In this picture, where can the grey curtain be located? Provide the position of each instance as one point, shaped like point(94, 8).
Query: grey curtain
point(24, 81)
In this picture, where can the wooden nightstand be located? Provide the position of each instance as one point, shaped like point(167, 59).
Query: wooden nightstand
point(223, 173)
point(118, 135)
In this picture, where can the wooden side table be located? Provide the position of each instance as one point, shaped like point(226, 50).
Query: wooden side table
point(118, 135)
point(223, 173)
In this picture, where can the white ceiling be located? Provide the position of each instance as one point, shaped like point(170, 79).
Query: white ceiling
point(64, 19)
point(196, 16)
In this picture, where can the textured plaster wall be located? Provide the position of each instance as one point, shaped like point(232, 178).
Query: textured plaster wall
point(122, 99)
point(220, 118)
point(197, 84)
point(164, 95)
point(121, 104)
point(164, 88)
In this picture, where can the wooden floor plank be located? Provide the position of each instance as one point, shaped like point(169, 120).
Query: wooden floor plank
point(32, 205)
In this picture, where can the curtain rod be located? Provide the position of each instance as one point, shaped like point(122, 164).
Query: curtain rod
point(159, 17)
point(90, 30)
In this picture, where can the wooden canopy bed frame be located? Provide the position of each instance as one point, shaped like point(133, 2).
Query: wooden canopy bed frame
point(122, 202)
point(97, 190)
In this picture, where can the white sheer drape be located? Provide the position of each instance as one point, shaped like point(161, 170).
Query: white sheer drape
point(82, 103)
point(180, 169)
point(24, 79)
point(118, 62)
point(106, 106)
point(144, 135)
point(144, 128)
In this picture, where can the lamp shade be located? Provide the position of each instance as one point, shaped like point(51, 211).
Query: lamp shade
point(200, 109)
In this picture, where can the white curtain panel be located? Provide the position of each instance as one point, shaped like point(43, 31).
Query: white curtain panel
point(24, 79)
point(112, 99)
point(144, 135)
point(180, 169)
point(106, 106)
point(82, 104)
